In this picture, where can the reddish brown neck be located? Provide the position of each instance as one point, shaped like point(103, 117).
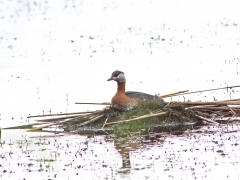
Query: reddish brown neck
point(121, 87)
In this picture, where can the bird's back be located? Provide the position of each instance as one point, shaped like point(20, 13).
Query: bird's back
point(144, 98)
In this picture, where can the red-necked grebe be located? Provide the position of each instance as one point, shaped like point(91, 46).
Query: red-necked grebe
point(124, 101)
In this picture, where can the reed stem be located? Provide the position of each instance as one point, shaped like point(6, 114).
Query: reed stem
point(140, 117)
point(62, 114)
point(229, 87)
point(91, 120)
point(173, 94)
point(213, 103)
point(104, 103)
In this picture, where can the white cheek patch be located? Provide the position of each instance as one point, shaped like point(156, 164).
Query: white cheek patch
point(121, 78)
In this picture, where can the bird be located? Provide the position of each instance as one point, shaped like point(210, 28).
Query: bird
point(124, 101)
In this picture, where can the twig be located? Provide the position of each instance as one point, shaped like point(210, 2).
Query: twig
point(51, 124)
point(27, 126)
point(229, 87)
point(213, 103)
point(173, 94)
point(104, 103)
point(56, 119)
point(222, 108)
point(91, 120)
point(140, 117)
point(105, 123)
point(231, 100)
point(61, 114)
point(231, 111)
point(205, 119)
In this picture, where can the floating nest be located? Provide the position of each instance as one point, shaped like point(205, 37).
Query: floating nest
point(140, 120)
point(144, 119)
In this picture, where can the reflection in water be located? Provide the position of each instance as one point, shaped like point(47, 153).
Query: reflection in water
point(196, 153)
point(183, 152)
point(126, 145)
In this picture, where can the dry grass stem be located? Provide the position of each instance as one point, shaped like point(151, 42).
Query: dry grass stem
point(230, 87)
point(105, 123)
point(56, 119)
point(104, 103)
point(62, 114)
point(231, 110)
point(212, 103)
point(173, 94)
point(57, 123)
point(138, 118)
point(231, 100)
point(222, 108)
point(91, 120)
point(26, 126)
point(205, 119)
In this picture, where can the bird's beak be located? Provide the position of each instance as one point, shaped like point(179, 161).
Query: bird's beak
point(112, 78)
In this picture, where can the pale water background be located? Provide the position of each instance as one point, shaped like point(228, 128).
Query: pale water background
point(56, 53)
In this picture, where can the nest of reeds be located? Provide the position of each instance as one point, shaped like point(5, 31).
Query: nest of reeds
point(143, 119)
